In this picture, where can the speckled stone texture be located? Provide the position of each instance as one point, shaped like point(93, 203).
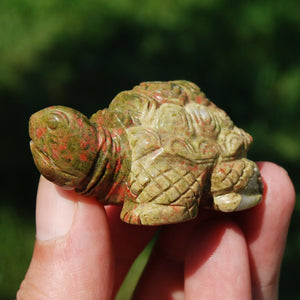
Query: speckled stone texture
point(162, 150)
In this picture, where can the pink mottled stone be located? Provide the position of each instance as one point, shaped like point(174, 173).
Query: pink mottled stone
point(162, 150)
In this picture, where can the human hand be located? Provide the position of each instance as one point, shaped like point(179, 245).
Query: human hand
point(83, 251)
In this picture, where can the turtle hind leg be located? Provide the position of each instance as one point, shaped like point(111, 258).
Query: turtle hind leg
point(157, 214)
point(236, 185)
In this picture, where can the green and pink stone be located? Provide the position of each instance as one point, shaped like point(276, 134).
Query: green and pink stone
point(162, 150)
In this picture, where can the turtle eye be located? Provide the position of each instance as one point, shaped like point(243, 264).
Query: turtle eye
point(54, 120)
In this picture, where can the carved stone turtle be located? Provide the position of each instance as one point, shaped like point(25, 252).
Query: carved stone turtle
point(162, 150)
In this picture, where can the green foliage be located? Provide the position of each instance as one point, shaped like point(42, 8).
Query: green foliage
point(16, 245)
point(244, 54)
point(127, 289)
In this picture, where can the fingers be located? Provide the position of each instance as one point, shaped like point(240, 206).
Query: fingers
point(266, 227)
point(198, 259)
point(72, 254)
point(73, 238)
point(216, 263)
point(128, 241)
point(163, 277)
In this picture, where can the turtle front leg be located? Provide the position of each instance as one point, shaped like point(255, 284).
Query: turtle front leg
point(236, 185)
point(157, 214)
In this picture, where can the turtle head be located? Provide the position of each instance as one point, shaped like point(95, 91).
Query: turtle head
point(64, 145)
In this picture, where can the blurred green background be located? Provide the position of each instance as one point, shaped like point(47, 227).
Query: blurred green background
point(245, 55)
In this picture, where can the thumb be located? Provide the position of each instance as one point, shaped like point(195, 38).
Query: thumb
point(72, 256)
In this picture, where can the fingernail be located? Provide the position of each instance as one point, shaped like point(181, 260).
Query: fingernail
point(54, 212)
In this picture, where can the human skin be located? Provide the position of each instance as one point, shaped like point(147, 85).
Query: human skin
point(83, 250)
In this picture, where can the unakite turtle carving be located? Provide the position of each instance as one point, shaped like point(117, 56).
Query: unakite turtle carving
point(162, 150)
